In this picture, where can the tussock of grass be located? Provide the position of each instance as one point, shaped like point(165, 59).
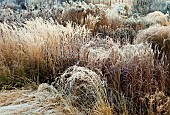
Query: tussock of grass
point(157, 33)
point(158, 37)
point(82, 86)
point(157, 17)
point(131, 71)
point(39, 51)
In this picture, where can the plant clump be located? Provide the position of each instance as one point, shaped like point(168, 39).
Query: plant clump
point(82, 86)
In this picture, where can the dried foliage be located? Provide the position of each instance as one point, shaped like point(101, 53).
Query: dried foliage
point(125, 35)
point(101, 59)
point(82, 86)
point(156, 104)
point(130, 71)
point(158, 37)
point(157, 17)
point(39, 51)
point(45, 100)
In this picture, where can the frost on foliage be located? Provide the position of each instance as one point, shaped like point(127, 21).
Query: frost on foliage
point(47, 88)
point(157, 17)
point(159, 38)
point(82, 86)
point(121, 9)
point(154, 33)
point(44, 101)
point(97, 52)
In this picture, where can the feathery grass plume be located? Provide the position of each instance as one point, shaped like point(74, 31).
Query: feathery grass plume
point(91, 22)
point(142, 22)
point(82, 86)
point(39, 50)
point(135, 75)
point(158, 36)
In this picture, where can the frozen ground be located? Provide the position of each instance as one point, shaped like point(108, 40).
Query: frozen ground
point(44, 101)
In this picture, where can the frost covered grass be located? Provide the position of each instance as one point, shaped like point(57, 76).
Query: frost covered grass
point(130, 71)
point(98, 59)
point(39, 51)
point(45, 100)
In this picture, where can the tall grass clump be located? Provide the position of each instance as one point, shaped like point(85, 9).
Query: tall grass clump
point(130, 72)
point(39, 51)
point(158, 37)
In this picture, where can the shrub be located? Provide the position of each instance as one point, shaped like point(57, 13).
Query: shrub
point(142, 6)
